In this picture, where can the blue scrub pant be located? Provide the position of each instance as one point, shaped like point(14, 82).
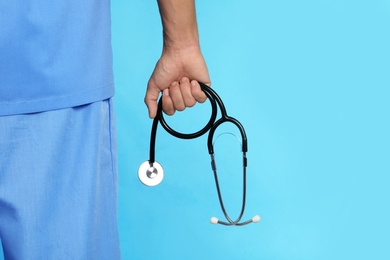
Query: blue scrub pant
point(58, 184)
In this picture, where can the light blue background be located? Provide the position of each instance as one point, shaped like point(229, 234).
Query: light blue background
point(309, 80)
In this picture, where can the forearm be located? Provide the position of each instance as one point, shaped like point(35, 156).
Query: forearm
point(180, 29)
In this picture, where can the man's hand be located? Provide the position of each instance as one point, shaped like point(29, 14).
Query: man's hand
point(181, 64)
point(176, 75)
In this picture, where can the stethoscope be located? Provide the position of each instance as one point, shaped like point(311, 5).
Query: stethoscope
point(151, 172)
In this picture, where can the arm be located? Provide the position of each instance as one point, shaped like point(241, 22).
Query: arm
point(181, 63)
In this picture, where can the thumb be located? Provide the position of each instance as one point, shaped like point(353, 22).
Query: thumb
point(150, 100)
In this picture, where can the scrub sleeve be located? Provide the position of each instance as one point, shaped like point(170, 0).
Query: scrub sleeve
point(58, 184)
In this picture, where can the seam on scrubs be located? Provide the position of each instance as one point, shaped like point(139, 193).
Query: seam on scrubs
point(110, 126)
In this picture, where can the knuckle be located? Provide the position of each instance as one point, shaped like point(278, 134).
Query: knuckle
point(180, 107)
point(191, 103)
point(202, 99)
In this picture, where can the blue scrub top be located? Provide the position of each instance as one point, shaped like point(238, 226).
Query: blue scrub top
point(54, 54)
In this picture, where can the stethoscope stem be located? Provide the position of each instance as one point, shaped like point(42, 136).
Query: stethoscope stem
point(153, 135)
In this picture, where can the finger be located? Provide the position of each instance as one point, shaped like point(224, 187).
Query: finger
point(185, 88)
point(176, 96)
point(167, 104)
point(197, 92)
point(150, 99)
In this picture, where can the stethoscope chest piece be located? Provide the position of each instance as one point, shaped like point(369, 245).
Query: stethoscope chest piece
point(150, 175)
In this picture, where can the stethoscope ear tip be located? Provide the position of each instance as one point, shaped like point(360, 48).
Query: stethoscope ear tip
point(256, 219)
point(214, 220)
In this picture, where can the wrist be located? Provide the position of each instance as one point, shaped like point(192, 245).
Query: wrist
point(182, 51)
point(180, 46)
point(181, 38)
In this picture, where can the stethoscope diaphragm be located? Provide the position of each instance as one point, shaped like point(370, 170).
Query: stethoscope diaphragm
point(150, 174)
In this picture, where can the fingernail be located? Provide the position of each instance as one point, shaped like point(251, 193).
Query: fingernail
point(166, 92)
point(193, 83)
point(183, 79)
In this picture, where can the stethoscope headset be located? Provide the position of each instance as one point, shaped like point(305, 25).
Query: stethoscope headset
point(151, 172)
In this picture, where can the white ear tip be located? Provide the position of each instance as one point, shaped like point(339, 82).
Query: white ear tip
point(256, 219)
point(214, 220)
